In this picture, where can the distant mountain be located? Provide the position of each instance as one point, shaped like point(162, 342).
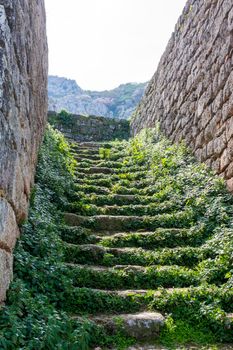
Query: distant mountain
point(117, 103)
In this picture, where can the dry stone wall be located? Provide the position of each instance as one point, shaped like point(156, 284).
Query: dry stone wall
point(23, 109)
point(82, 128)
point(191, 93)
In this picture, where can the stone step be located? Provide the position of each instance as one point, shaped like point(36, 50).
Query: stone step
point(97, 182)
point(77, 235)
point(132, 300)
point(102, 222)
point(94, 301)
point(85, 148)
point(111, 223)
point(110, 181)
point(118, 199)
point(85, 151)
point(111, 164)
point(92, 144)
point(160, 238)
point(143, 196)
point(87, 160)
point(140, 209)
point(116, 169)
point(79, 156)
point(92, 189)
point(122, 277)
point(95, 254)
point(112, 190)
point(141, 326)
point(131, 176)
point(142, 292)
point(94, 170)
point(120, 210)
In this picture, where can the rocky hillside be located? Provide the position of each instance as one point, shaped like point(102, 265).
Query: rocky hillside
point(117, 103)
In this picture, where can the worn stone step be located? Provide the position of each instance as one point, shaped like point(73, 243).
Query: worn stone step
point(115, 189)
point(110, 181)
point(131, 176)
point(132, 300)
point(85, 151)
point(140, 209)
point(85, 148)
point(85, 166)
point(96, 182)
point(123, 210)
point(111, 164)
point(92, 189)
point(141, 326)
point(114, 169)
point(102, 301)
point(180, 219)
point(77, 235)
point(149, 293)
point(86, 159)
point(118, 199)
point(79, 156)
point(160, 238)
point(122, 277)
point(111, 199)
point(92, 144)
point(94, 170)
point(102, 222)
point(95, 254)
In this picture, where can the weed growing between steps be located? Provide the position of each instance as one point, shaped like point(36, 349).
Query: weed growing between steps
point(174, 192)
point(188, 212)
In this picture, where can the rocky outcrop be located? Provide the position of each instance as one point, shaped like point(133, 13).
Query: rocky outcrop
point(119, 103)
point(191, 93)
point(23, 107)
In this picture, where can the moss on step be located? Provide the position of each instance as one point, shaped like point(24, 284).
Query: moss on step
point(125, 277)
point(178, 219)
point(160, 238)
point(95, 254)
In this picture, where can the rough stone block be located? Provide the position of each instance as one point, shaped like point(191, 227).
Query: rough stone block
point(194, 79)
point(8, 226)
point(6, 272)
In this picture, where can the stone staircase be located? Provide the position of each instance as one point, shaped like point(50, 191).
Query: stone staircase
point(125, 246)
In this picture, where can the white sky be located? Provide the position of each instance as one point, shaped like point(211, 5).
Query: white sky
point(104, 43)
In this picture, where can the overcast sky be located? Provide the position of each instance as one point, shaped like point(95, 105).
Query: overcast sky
point(104, 43)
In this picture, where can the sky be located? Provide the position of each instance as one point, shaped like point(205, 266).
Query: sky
point(104, 43)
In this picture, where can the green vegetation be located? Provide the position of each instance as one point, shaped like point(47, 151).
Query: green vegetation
point(161, 223)
point(34, 316)
point(179, 231)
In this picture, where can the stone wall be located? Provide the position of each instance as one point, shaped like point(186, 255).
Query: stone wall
point(23, 109)
point(89, 128)
point(191, 93)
